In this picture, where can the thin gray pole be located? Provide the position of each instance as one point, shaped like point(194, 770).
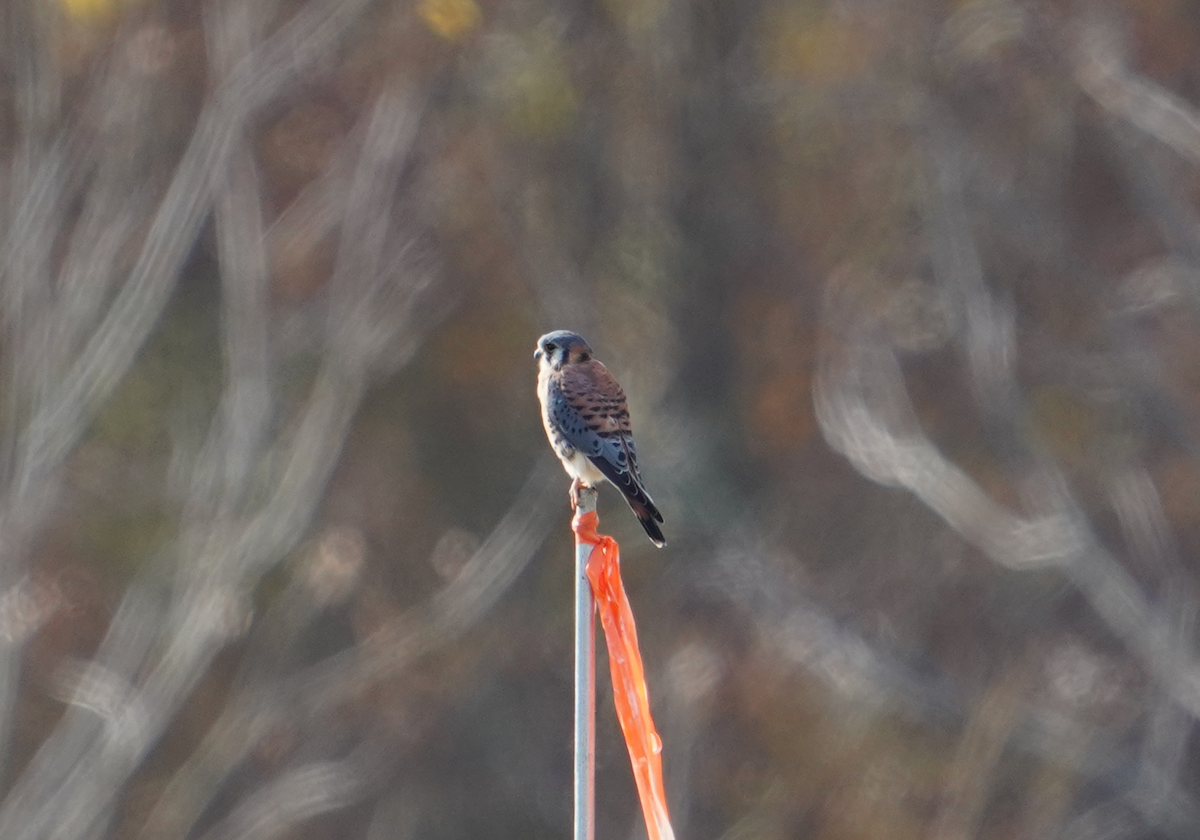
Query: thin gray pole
point(585, 686)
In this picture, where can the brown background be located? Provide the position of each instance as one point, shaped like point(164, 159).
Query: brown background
point(904, 296)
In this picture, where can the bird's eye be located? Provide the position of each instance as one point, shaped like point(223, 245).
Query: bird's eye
point(551, 346)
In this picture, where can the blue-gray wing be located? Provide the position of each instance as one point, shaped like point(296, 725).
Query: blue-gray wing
point(587, 404)
point(591, 414)
point(580, 428)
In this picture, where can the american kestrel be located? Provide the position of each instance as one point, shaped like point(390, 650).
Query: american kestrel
point(584, 412)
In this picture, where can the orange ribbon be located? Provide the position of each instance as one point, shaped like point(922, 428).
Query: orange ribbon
point(628, 676)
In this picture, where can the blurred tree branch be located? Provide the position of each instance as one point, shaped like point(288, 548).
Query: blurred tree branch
point(69, 341)
point(866, 412)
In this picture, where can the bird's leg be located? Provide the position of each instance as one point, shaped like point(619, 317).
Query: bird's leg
point(574, 493)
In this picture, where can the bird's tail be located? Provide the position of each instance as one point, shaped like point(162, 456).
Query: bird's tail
point(643, 508)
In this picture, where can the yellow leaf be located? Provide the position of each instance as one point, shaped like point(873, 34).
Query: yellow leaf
point(88, 9)
point(451, 19)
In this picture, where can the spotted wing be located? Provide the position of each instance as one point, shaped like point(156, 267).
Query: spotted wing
point(595, 419)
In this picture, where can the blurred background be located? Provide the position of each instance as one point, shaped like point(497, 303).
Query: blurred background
point(906, 300)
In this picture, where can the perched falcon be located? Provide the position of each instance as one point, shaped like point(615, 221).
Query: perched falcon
point(583, 409)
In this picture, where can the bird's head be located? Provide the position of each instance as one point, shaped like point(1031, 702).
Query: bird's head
point(560, 348)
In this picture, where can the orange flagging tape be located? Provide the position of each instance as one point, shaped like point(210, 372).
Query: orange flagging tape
point(628, 677)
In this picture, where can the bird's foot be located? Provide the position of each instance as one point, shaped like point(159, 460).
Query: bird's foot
point(583, 496)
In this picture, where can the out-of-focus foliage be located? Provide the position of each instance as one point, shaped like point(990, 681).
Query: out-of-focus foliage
point(905, 298)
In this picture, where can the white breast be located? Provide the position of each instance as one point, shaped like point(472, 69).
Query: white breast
point(578, 466)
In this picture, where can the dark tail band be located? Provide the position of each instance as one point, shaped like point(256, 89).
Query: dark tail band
point(643, 508)
point(653, 531)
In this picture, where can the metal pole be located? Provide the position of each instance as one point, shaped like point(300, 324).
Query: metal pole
point(585, 686)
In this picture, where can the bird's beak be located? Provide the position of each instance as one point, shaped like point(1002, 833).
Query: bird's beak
point(537, 354)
